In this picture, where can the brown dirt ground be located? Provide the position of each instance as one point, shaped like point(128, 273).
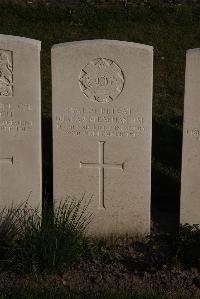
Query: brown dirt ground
point(94, 276)
point(107, 2)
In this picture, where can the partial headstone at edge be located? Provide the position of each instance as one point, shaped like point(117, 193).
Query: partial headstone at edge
point(20, 122)
point(190, 177)
point(102, 123)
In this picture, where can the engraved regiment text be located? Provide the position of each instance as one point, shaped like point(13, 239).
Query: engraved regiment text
point(14, 117)
point(194, 132)
point(102, 122)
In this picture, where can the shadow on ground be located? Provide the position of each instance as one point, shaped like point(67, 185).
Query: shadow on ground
point(165, 196)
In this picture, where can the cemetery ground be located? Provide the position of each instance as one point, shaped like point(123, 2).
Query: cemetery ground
point(56, 260)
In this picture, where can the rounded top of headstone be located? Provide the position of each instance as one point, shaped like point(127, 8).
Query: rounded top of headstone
point(12, 38)
point(195, 50)
point(103, 42)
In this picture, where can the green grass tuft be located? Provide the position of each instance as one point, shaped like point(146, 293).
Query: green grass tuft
point(188, 245)
point(30, 246)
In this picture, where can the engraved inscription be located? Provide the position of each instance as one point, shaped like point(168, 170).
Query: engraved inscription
point(101, 165)
point(122, 122)
point(15, 125)
point(101, 80)
point(6, 73)
point(194, 133)
point(14, 118)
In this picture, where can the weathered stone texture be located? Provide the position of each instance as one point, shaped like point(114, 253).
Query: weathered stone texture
point(190, 180)
point(102, 115)
point(20, 121)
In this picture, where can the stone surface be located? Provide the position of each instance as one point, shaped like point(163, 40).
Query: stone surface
point(102, 117)
point(190, 180)
point(20, 122)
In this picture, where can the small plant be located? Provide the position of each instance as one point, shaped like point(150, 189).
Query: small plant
point(97, 249)
point(29, 245)
point(188, 245)
point(9, 231)
point(54, 245)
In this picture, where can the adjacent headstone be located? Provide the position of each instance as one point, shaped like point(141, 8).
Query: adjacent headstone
point(102, 118)
point(190, 181)
point(20, 122)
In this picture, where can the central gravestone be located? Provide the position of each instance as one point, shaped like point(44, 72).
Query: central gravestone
point(20, 122)
point(102, 117)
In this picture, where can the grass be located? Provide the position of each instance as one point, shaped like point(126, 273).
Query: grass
point(171, 29)
point(36, 255)
point(188, 245)
point(41, 248)
point(30, 246)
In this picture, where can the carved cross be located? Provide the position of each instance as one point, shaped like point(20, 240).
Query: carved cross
point(101, 165)
point(7, 160)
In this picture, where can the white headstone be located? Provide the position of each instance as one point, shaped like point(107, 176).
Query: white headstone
point(20, 122)
point(190, 180)
point(102, 118)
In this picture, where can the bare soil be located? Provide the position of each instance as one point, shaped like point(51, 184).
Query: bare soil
point(92, 277)
point(107, 2)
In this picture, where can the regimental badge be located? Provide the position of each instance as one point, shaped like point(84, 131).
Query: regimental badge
point(101, 80)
